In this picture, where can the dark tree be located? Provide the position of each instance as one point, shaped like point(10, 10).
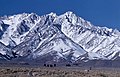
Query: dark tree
point(54, 65)
point(51, 65)
point(45, 65)
point(68, 65)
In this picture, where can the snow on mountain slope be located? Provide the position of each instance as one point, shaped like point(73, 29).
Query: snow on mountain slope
point(100, 40)
point(45, 38)
point(19, 25)
point(66, 36)
point(5, 52)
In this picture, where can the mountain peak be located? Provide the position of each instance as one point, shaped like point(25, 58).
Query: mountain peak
point(53, 14)
point(69, 13)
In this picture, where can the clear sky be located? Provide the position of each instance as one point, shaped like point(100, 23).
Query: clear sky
point(98, 12)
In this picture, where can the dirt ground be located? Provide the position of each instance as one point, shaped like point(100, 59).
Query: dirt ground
point(58, 72)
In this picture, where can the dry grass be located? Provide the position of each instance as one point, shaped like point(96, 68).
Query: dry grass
point(56, 72)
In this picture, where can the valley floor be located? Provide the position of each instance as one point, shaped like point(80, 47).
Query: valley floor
point(58, 72)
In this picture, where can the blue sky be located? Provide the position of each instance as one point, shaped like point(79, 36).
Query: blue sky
point(98, 12)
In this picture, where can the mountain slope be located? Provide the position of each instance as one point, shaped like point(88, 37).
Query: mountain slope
point(100, 40)
point(42, 38)
point(67, 37)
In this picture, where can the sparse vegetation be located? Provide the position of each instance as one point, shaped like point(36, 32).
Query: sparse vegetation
point(56, 72)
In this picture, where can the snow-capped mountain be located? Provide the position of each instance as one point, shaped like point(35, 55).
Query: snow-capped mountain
point(66, 36)
point(101, 40)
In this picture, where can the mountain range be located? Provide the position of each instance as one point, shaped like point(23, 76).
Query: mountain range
point(53, 37)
